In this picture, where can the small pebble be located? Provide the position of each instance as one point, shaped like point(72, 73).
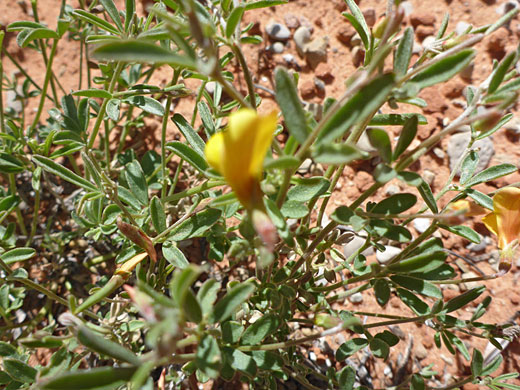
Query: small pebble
point(278, 47)
point(289, 58)
point(278, 31)
point(392, 189)
point(439, 153)
point(429, 177)
point(356, 298)
point(302, 37)
point(316, 51)
point(320, 85)
point(388, 254)
point(421, 224)
point(458, 143)
point(353, 246)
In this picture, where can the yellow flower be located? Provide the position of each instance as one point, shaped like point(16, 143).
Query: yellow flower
point(238, 153)
point(504, 221)
point(467, 208)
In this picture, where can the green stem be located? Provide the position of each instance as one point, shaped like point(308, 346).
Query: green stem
point(34, 223)
point(48, 75)
point(2, 124)
point(231, 91)
point(102, 110)
point(247, 74)
point(290, 343)
point(19, 216)
point(332, 186)
point(22, 71)
point(163, 146)
point(113, 284)
point(195, 190)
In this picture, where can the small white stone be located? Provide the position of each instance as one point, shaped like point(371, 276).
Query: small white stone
point(421, 224)
point(312, 356)
point(278, 31)
point(278, 47)
point(353, 246)
point(302, 36)
point(356, 298)
point(388, 254)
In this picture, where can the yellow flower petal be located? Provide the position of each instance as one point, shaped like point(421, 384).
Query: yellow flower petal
point(214, 151)
point(490, 221)
point(264, 136)
point(506, 205)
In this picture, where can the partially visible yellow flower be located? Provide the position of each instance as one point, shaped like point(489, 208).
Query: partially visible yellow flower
point(467, 208)
point(504, 221)
point(238, 152)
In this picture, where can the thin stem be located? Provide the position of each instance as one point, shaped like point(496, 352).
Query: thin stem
point(195, 190)
point(2, 124)
point(332, 186)
point(231, 91)
point(101, 114)
point(290, 343)
point(247, 74)
point(19, 216)
point(34, 223)
point(48, 75)
point(163, 146)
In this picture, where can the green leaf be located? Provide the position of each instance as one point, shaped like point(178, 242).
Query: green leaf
point(337, 154)
point(468, 167)
point(406, 137)
point(427, 195)
point(190, 155)
point(419, 286)
point(500, 72)
point(158, 215)
point(90, 379)
point(95, 20)
point(396, 119)
point(480, 198)
point(113, 109)
point(147, 104)
point(174, 255)
point(207, 117)
point(195, 226)
point(264, 4)
point(421, 263)
point(350, 347)
point(10, 164)
point(268, 360)
point(129, 13)
point(294, 209)
point(381, 141)
point(389, 230)
point(463, 299)
point(282, 162)
point(346, 378)
point(491, 173)
point(395, 204)
point(65, 173)
point(444, 69)
point(417, 382)
point(382, 291)
point(506, 118)
point(231, 301)
point(37, 33)
point(260, 329)
point(289, 102)
point(307, 189)
point(231, 331)
point(241, 361)
point(180, 285)
point(112, 11)
point(403, 53)
point(6, 349)
point(141, 51)
point(97, 343)
point(413, 302)
point(388, 337)
point(19, 370)
point(345, 216)
point(207, 295)
point(93, 92)
point(17, 254)
point(458, 344)
point(358, 22)
point(379, 348)
point(357, 108)
point(493, 366)
point(234, 19)
point(464, 231)
point(189, 133)
point(137, 181)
